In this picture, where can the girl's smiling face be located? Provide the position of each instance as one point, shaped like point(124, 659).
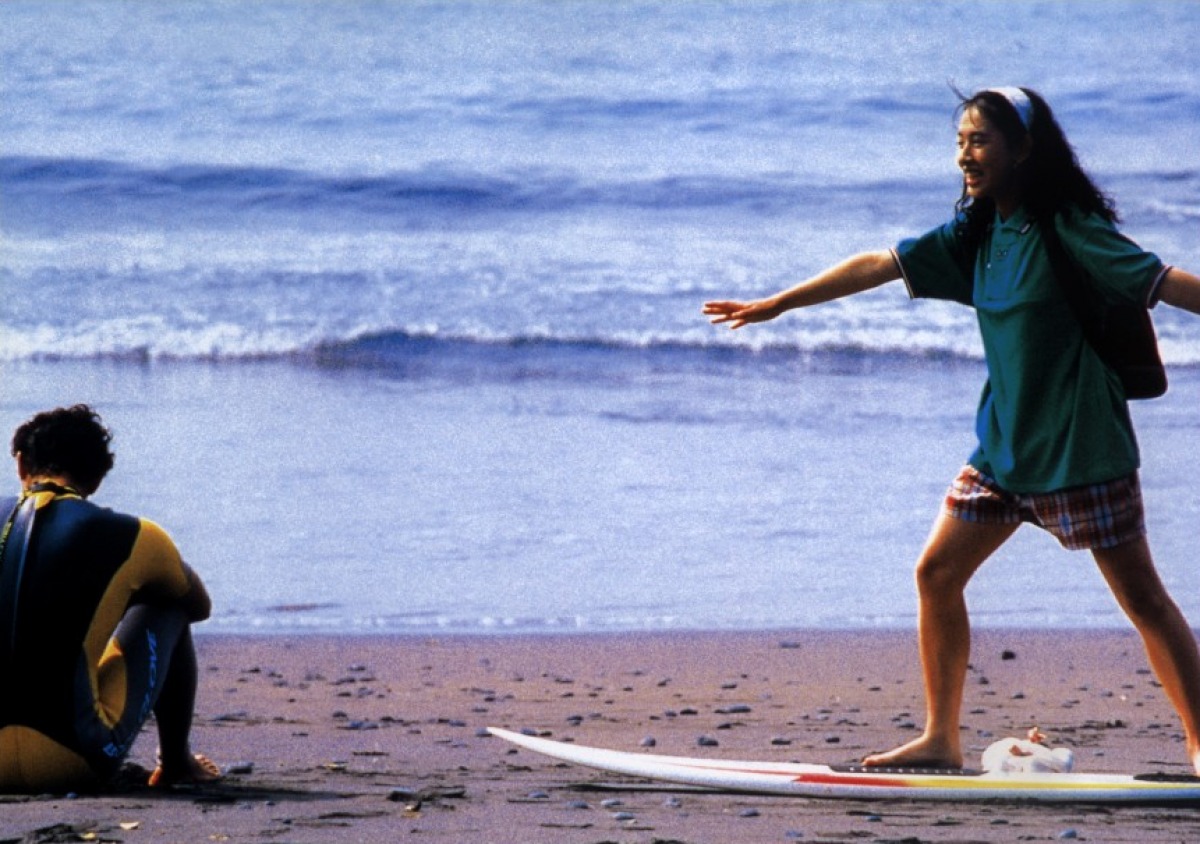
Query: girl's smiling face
point(988, 163)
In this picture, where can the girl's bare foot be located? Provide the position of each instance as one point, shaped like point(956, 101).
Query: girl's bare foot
point(198, 769)
point(919, 753)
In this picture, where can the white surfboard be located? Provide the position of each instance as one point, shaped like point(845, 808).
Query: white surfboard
point(807, 780)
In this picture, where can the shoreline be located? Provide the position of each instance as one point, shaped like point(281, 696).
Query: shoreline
point(378, 736)
point(563, 632)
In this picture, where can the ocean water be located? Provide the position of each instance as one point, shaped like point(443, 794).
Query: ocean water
point(395, 306)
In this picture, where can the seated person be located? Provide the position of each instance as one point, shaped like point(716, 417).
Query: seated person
point(96, 610)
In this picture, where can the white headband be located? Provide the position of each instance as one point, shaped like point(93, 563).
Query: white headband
point(1020, 101)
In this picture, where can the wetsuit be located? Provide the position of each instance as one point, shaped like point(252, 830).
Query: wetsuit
point(87, 628)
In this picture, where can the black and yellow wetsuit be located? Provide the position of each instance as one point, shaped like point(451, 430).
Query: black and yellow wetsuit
point(72, 695)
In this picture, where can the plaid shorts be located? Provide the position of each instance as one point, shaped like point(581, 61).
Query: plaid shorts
point(1081, 518)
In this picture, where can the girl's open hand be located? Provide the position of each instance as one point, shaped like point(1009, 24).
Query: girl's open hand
point(740, 313)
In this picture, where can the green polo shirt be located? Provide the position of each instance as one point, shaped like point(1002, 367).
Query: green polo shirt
point(1052, 415)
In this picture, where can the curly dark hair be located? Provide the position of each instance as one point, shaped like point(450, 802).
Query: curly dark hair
point(1053, 178)
point(67, 441)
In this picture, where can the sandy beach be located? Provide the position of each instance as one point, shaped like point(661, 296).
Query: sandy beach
point(339, 739)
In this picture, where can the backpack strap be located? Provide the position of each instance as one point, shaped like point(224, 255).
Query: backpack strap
point(1072, 280)
point(1122, 335)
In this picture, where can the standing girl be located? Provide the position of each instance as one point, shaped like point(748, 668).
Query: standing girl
point(1056, 445)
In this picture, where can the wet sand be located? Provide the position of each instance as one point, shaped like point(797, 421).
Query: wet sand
point(340, 739)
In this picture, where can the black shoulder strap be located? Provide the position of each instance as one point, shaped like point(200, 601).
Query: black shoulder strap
point(14, 551)
point(1122, 335)
point(1088, 309)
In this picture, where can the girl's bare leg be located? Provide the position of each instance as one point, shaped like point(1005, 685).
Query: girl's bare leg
point(953, 553)
point(1169, 642)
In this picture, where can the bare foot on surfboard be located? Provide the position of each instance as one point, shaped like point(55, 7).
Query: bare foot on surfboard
point(919, 753)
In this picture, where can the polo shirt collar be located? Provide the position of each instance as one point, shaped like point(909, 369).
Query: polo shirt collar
point(1018, 222)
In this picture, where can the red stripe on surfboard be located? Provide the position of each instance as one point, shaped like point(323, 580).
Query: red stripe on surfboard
point(832, 778)
point(851, 779)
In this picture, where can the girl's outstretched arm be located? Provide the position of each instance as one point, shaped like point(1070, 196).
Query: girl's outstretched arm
point(854, 275)
point(1181, 289)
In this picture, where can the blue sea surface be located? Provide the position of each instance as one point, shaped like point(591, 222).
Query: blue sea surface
point(395, 306)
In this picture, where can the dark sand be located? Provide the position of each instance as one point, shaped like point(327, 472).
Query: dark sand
point(339, 739)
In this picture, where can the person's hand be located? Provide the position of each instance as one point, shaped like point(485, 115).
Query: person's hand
point(741, 313)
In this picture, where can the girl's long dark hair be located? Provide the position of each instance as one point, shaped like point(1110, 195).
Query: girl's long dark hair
point(1053, 179)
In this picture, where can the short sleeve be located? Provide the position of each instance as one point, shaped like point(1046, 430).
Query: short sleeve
point(1122, 271)
point(934, 265)
point(155, 562)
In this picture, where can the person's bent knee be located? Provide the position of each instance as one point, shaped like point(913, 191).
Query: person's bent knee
point(938, 574)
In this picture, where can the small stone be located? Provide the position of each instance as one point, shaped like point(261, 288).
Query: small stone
point(748, 813)
point(239, 715)
point(1008, 655)
point(611, 803)
point(707, 741)
point(1068, 835)
point(648, 741)
point(360, 725)
point(624, 816)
